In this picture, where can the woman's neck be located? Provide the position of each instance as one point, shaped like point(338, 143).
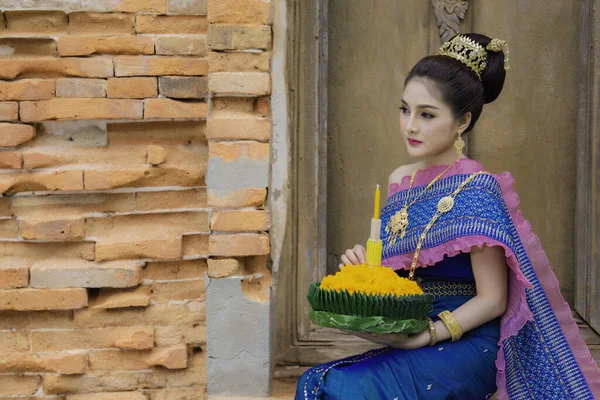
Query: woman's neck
point(446, 158)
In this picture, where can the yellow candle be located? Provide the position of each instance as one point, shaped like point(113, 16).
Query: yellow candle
point(377, 196)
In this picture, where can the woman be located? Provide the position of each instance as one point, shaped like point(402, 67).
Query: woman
point(499, 323)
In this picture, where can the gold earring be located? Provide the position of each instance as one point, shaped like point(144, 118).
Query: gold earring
point(459, 144)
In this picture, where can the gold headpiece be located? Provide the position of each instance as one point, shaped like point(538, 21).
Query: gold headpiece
point(472, 54)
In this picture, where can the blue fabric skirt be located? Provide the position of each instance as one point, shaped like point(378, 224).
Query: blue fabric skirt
point(464, 370)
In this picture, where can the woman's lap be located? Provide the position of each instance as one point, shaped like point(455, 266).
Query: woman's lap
point(461, 370)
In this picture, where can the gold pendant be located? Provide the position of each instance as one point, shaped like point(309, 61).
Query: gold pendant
point(398, 223)
point(445, 204)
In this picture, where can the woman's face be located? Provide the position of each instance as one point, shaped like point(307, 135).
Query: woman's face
point(427, 123)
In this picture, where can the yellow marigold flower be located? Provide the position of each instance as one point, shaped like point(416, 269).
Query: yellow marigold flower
point(370, 280)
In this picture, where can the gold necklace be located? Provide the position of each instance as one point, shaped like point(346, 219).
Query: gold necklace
point(444, 205)
point(399, 221)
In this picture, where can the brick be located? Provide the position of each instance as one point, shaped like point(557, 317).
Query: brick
point(109, 381)
point(177, 175)
point(157, 66)
point(236, 37)
point(168, 24)
point(188, 45)
point(138, 338)
point(11, 159)
point(160, 249)
point(51, 229)
point(192, 334)
point(171, 200)
point(62, 363)
point(234, 151)
point(256, 12)
point(41, 180)
point(118, 298)
point(15, 134)
point(35, 320)
point(13, 275)
point(164, 292)
point(220, 268)
point(99, 67)
point(108, 396)
point(194, 375)
point(118, 360)
point(240, 220)
point(63, 273)
point(174, 357)
point(78, 109)
point(101, 23)
point(233, 107)
point(75, 87)
point(195, 246)
point(168, 315)
point(193, 393)
point(27, 252)
point(34, 299)
point(8, 229)
point(11, 341)
point(240, 83)
point(27, 89)
point(132, 6)
point(248, 244)
point(179, 87)
point(156, 154)
point(39, 22)
point(9, 111)
point(16, 385)
point(247, 197)
point(166, 108)
point(5, 207)
point(172, 270)
point(163, 133)
point(89, 45)
point(258, 129)
point(262, 106)
point(239, 62)
point(132, 88)
point(71, 205)
point(148, 225)
point(198, 7)
point(27, 47)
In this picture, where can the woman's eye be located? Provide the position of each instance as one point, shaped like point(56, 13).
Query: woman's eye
point(427, 115)
point(403, 110)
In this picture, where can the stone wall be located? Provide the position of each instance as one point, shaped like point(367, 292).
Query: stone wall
point(134, 166)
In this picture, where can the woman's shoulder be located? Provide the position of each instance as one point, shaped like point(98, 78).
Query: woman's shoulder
point(402, 171)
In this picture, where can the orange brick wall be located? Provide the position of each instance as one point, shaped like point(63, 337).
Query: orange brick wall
point(134, 140)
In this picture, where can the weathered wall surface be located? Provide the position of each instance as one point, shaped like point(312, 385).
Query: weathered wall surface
point(134, 153)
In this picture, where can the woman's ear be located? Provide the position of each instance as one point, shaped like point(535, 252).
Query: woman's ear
point(464, 122)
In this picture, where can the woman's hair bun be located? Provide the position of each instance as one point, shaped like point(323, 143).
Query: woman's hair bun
point(494, 74)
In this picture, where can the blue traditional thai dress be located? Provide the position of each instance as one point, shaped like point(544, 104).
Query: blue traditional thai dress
point(534, 351)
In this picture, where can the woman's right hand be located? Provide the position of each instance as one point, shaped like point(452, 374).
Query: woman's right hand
point(354, 256)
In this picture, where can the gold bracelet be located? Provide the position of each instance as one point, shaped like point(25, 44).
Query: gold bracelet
point(432, 331)
point(452, 324)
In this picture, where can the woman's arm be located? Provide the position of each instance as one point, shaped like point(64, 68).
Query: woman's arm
point(491, 277)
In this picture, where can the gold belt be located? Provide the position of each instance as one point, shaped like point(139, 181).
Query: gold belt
point(448, 288)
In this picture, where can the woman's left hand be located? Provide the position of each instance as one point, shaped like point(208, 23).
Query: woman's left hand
point(397, 340)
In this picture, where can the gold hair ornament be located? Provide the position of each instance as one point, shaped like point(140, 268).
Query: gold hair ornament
point(472, 54)
point(467, 51)
point(500, 45)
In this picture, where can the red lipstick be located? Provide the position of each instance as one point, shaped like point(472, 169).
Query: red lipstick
point(414, 142)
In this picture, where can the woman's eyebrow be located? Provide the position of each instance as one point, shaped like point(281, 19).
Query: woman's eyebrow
point(422, 105)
